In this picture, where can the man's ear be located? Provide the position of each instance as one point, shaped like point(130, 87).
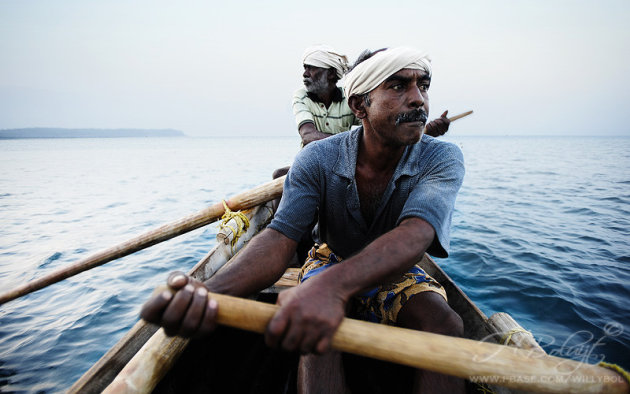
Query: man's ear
point(357, 105)
point(332, 76)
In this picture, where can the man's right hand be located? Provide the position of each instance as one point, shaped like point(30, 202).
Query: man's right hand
point(307, 319)
point(182, 308)
point(438, 127)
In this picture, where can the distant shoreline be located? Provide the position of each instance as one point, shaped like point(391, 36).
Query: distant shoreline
point(49, 132)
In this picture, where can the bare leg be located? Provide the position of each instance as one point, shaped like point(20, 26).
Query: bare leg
point(428, 311)
point(321, 374)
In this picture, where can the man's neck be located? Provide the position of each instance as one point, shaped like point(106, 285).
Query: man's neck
point(376, 163)
point(327, 97)
point(376, 154)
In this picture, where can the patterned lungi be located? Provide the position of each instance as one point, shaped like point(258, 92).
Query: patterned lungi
point(381, 304)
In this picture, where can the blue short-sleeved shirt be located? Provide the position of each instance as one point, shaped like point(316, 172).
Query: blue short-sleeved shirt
point(321, 182)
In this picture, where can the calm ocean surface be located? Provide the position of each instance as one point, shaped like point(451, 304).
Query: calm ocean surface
point(541, 231)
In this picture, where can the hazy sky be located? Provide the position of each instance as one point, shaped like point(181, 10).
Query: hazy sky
point(230, 68)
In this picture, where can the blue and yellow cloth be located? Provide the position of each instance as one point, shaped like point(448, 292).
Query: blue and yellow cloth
point(381, 304)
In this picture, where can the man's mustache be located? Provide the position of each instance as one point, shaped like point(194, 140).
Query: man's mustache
point(415, 115)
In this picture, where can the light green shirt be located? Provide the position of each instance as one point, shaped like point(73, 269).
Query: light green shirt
point(332, 120)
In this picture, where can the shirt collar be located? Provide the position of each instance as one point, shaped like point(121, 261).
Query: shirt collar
point(345, 166)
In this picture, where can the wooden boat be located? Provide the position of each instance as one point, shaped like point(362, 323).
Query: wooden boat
point(232, 360)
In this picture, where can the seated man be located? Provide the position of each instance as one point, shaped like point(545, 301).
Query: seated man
point(321, 108)
point(384, 194)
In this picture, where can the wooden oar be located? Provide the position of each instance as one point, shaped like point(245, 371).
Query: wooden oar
point(460, 116)
point(245, 200)
point(479, 361)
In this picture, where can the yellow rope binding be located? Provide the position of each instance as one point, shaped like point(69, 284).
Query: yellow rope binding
point(242, 223)
point(617, 369)
point(484, 389)
point(506, 338)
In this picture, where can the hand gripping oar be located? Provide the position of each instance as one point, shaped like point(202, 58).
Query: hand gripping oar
point(245, 200)
point(478, 361)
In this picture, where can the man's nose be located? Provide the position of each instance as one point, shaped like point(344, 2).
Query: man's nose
point(416, 99)
point(306, 74)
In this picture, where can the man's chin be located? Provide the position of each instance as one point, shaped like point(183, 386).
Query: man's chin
point(310, 88)
point(419, 125)
point(413, 130)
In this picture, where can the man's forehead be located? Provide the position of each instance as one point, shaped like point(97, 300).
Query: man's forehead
point(316, 67)
point(410, 73)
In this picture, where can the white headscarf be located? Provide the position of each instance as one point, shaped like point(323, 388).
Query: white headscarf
point(370, 73)
point(325, 56)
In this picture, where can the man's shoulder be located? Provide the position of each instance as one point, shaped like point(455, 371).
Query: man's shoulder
point(300, 94)
point(439, 148)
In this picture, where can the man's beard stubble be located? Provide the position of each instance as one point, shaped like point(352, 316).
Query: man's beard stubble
point(317, 86)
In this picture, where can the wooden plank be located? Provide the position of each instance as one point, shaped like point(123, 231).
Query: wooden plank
point(512, 334)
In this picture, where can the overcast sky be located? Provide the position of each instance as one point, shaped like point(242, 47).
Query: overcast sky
point(230, 68)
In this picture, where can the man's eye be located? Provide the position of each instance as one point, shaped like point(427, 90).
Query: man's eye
point(397, 86)
point(424, 87)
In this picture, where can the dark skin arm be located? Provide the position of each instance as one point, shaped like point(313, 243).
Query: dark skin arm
point(186, 311)
point(308, 326)
point(438, 127)
point(300, 324)
point(309, 133)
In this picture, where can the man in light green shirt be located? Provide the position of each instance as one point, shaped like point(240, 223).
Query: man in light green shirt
point(333, 119)
point(320, 107)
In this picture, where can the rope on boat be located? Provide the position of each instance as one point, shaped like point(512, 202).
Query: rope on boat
point(242, 223)
point(508, 335)
point(483, 388)
point(617, 369)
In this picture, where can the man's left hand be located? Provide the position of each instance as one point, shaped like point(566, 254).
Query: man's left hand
point(308, 317)
point(439, 126)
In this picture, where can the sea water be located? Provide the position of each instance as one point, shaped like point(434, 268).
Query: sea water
point(541, 231)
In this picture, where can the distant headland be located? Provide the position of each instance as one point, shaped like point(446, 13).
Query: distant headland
point(49, 132)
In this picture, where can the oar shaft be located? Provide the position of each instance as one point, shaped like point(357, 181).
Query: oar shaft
point(516, 368)
point(507, 366)
point(453, 118)
point(245, 200)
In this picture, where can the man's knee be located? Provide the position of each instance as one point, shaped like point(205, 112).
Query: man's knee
point(428, 311)
point(452, 324)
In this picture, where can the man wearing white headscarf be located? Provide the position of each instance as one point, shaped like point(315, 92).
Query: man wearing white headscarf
point(384, 194)
point(320, 107)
